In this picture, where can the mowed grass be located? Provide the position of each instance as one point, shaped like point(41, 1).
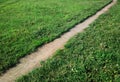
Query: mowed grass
point(91, 56)
point(25, 25)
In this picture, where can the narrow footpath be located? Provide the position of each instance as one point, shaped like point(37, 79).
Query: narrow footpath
point(33, 60)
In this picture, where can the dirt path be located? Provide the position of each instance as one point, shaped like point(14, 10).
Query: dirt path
point(33, 60)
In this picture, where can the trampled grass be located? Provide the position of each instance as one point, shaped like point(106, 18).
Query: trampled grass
point(25, 25)
point(91, 56)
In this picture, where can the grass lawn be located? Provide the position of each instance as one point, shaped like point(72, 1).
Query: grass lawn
point(25, 25)
point(91, 56)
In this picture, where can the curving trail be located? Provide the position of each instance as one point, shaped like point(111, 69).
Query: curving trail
point(33, 60)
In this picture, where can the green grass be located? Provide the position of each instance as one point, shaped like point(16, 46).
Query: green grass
point(25, 25)
point(91, 56)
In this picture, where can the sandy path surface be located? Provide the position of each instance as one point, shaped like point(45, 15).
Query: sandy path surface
point(32, 61)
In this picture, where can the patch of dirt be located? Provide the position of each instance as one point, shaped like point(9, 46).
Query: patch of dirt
point(33, 60)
